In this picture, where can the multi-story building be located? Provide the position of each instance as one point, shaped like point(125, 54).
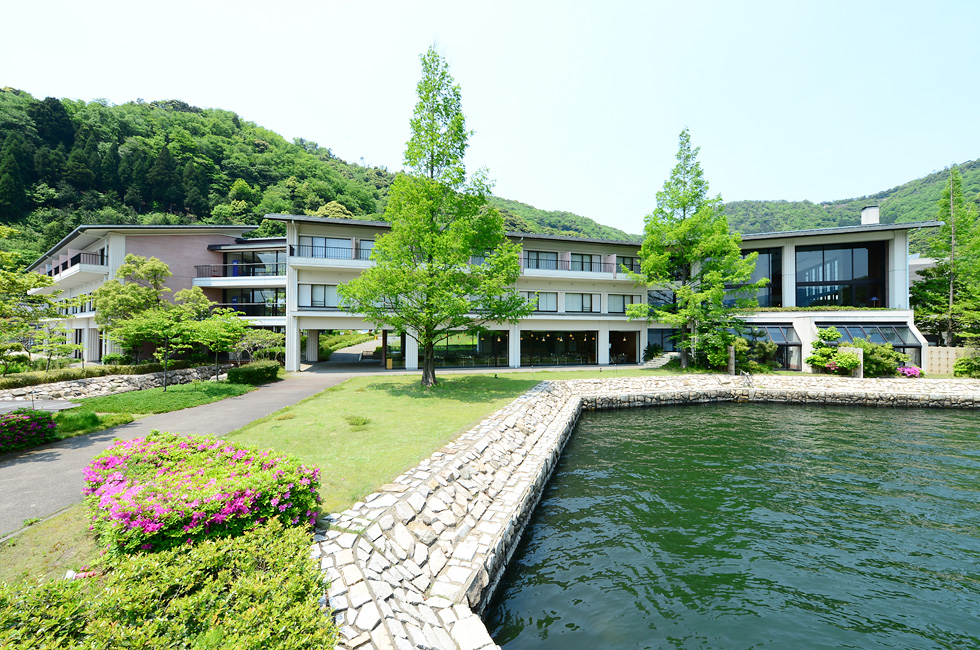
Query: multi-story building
point(855, 278)
point(89, 256)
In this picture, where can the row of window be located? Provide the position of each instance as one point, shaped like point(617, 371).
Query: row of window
point(548, 260)
point(547, 301)
point(334, 248)
point(79, 305)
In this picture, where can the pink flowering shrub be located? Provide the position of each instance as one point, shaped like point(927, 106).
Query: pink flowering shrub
point(163, 490)
point(25, 428)
point(912, 372)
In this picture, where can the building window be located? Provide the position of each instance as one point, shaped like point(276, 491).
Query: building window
point(325, 248)
point(631, 263)
point(662, 337)
point(256, 302)
point(898, 335)
point(541, 260)
point(580, 302)
point(254, 263)
point(317, 295)
point(364, 248)
point(769, 264)
point(851, 275)
point(618, 303)
point(546, 301)
point(585, 262)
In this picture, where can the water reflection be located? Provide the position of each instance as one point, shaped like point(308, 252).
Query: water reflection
point(753, 526)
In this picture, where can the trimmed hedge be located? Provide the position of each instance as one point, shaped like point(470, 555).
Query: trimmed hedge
point(967, 367)
point(24, 428)
point(166, 489)
point(24, 379)
point(257, 372)
point(258, 590)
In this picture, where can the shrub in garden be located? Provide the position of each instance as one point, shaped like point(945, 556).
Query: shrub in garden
point(967, 367)
point(259, 590)
point(67, 374)
point(164, 490)
point(116, 359)
point(880, 359)
point(257, 372)
point(25, 428)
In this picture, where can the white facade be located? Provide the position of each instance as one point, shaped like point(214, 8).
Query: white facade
point(581, 289)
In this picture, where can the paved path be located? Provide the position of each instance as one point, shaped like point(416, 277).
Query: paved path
point(40, 482)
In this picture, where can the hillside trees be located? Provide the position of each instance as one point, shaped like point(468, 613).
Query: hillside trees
point(423, 282)
point(687, 247)
point(947, 299)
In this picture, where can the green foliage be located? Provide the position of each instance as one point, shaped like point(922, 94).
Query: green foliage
point(116, 359)
point(423, 282)
point(256, 591)
point(880, 359)
point(652, 351)
point(912, 201)
point(330, 344)
point(257, 372)
point(254, 340)
point(24, 379)
point(967, 367)
point(520, 217)
point(25, 428)
point(947, 299)
point(688, 247)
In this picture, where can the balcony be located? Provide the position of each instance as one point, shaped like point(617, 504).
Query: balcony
point(574, 266)
point(330, 253)
point(256, 309)
point(258, 270)
point(79, 269)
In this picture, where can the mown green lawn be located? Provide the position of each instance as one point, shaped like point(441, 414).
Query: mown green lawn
point(368, 430)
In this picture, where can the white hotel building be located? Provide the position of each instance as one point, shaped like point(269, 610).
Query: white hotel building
point(855, 278)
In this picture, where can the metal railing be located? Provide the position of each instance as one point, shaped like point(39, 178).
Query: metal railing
point(329, 252)
point(243, 270)
point(256, 308)
point(76, 259)
point(569, 265)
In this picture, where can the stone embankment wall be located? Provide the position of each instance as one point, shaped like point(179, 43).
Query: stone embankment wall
point(413, 565)
point(108, 385)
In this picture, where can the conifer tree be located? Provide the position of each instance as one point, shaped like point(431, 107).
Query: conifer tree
point(687, 247)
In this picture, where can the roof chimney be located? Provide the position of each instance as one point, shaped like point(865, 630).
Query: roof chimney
point(869, 215)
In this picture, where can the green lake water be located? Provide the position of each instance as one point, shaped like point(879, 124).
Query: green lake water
point(753, 526)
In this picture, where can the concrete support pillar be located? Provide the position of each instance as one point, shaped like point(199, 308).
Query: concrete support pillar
point(603, 344)
point(292, 344)
point(411, 353)
point(643, 345)
point(898, 272)
point(789, 275)
point(312, 346)
point(514, 346)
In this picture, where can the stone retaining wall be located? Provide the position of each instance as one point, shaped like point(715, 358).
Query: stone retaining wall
point(414, 564)
point(108, 385)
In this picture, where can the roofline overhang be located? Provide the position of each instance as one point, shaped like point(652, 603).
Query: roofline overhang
point(110, 227)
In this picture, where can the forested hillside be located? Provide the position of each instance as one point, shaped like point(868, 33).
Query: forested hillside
point(912, 201)
point(65, 162)
point(68, 162)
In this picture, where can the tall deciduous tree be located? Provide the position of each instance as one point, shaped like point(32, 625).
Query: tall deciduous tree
point(423, 282)
point(946, 300)
point(688, 248)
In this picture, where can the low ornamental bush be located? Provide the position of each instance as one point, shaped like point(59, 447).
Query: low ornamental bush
point(164, 490)
point(25, 428)
point(259, 590)
point(967, 367)
point(22, 380)
point(257, 372)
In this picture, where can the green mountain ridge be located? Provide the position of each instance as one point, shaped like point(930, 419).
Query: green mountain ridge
point(67, 162)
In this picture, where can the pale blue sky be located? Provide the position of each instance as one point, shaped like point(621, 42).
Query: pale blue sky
point(576, 105)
